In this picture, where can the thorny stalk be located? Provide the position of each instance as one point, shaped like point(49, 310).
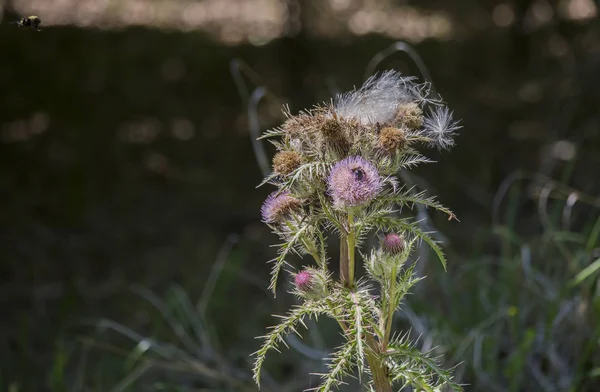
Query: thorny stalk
point(381, 380)
point(335, 171)
point(344, 261)
point(351, 250)
point(390, 309)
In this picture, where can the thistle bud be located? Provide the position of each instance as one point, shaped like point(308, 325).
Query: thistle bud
point(409, 115)
point(391, 139)
point(303, 280)
point(393, 244)
point(285, 162)
point(311, 284)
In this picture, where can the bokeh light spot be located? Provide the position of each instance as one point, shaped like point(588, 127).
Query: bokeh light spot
point(503, 15)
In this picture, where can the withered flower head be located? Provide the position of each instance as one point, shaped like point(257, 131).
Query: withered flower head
point(391, 139)
point(410, 115)
point(378, 99)
point(333, 134)
point(278, 206)
point(440, 127)
point(285, 162)
point(353, 181)
point(299, 125)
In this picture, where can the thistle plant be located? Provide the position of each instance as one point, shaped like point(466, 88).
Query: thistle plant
point(335, 172)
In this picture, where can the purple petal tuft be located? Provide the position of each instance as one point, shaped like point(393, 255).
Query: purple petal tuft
point(353, 181)
point(277, 206)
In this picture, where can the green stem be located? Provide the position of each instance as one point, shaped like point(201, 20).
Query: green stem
point(310, 248)
point(382, 319)
point(351, 250)
point(391, 309)
point(344, 275)
point(377, 366)
point(312, 251)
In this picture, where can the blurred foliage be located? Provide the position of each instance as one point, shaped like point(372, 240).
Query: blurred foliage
point(126, 166)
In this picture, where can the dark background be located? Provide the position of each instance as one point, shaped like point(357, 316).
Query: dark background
point(132, 256)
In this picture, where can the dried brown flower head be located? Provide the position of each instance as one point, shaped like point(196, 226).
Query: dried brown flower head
point(334, 135)
point(299, 125)
point(285, 162)
point(391, 139)
point(410, 115)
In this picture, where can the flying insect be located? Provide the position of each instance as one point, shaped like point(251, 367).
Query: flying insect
point(30, 21)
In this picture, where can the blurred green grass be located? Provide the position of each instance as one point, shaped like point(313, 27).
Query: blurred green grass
point(522, 318)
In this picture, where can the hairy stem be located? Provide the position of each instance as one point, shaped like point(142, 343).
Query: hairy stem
point(312, 250)
point(351, 250)
point(310, 247)
point(391, 309)
point(344, 267)
point(380, 379)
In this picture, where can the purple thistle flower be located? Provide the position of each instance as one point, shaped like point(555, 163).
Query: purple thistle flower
point(303, 280)
point(353, 181)
point(278, 206)
point(393, 244)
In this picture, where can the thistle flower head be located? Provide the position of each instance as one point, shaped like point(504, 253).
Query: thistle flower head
point(303, 280)
point(390, 257)
point(285, 162)
point(440, 127)
point(393, 244)
point(278, 206)
point(310, 284)
point(299, 125)
point(333, 135)
point(391, 139)
point(353, 181)
point(378, 99)
point(409, 115)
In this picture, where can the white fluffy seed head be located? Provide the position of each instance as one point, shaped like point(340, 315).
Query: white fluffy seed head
point(378, 99)
point(439, 126)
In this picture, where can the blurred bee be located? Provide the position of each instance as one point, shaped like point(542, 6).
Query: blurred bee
point(30, 21)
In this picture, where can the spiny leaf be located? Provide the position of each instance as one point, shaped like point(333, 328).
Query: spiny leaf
point(268, 179)
point(358, 331)
point(322, 250)
point(409, 161)
point(276, 132)
point(417, 368)
point(279, 261)
point(307, 172)
point(409, 199)
point(405, 281)
point(340, 366)
point(287, 324)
